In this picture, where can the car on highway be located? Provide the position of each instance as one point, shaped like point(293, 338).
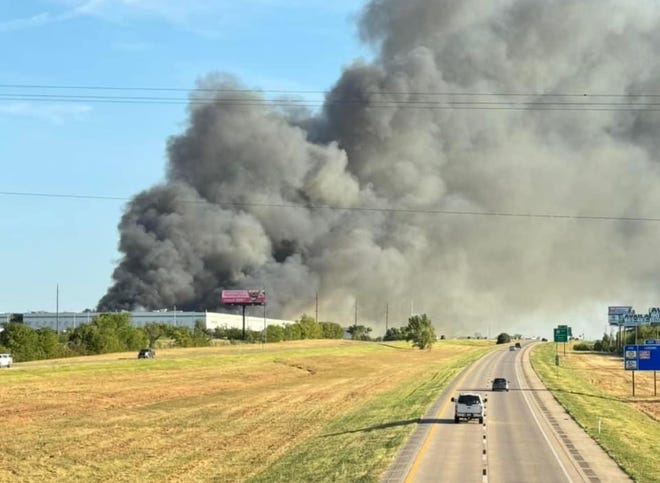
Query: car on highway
point(469, 406)
point(500, 384)
point(6, 360)
point(146, 354)
point(512, 348)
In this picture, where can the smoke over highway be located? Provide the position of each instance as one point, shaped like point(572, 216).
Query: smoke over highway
point(483, 167)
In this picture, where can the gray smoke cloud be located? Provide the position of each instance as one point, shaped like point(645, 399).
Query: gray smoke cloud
point(247, 197)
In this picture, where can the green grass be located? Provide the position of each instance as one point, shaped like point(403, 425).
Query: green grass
point(630, 436)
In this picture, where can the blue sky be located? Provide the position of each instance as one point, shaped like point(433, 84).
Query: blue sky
point(117, 150)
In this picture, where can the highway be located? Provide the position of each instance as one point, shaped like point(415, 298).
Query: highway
point(526, 436)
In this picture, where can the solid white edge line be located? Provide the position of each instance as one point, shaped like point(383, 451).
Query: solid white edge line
point(538, 423)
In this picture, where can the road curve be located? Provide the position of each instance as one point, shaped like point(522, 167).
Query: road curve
point(526, 436)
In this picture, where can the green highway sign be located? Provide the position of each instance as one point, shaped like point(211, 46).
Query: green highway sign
point(561, 333)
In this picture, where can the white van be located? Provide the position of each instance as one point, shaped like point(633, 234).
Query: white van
point(6, 360)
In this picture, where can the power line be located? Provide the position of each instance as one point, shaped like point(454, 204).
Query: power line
point(310, 206)
point(384, 104)
point(410, 104)
point(294, 91)
point(419, 100)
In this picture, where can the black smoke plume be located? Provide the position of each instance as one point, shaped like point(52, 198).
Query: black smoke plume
point(483, 169)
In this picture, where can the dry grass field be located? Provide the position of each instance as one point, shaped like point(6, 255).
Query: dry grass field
point(220, 414)
point(607, 372)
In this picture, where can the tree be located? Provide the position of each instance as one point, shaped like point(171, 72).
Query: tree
point(49, 343)
point(309, 327)
point(420, 332)
point(21, 340)
point(154, 331)
point(394, 333)
point(200, 337)
point(181, 335)
point(274, 333)
point(359, 332)
point(331, 330)
point(292, 332)
point(107, 333)
point(503, 338)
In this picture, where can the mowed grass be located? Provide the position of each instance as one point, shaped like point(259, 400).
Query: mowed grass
point(305, 411)
point(594, 388)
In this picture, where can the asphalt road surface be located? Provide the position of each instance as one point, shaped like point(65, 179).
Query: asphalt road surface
point(526, 435)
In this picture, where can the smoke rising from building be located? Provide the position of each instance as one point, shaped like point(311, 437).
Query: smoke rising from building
point(248, 185)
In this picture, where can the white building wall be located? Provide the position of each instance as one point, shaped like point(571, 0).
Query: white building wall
point(70, 320)
point(231, 321)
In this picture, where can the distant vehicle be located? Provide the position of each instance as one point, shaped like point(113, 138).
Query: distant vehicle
point(544, 340)
point(6, 360)
point(146, 354)
point(512, 347)
point(469, 406)
point(500, 384)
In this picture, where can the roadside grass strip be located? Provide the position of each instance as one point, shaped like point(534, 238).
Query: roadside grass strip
point(595, 396)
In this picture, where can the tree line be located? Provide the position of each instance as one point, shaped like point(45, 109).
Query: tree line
point(613, 343)
point(114, 332)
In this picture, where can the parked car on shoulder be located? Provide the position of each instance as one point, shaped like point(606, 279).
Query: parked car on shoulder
point(6, 360)
point(146, 354)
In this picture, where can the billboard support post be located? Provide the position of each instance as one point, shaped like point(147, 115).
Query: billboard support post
point(244, 298)
point(243, 321)
point(265, 331)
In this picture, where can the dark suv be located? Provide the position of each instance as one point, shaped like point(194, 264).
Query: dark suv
point(500, 384)
point(146, 354)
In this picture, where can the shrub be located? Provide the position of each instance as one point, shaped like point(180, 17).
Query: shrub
point(583, 346)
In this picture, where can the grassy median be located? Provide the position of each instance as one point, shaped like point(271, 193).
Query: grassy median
point(311, 410)
point(597, 392)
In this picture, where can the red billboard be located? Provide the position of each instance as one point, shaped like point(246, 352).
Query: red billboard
point(244, 297)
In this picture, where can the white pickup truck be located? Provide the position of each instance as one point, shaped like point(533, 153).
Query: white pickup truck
point(469, 406)
point(6, 360)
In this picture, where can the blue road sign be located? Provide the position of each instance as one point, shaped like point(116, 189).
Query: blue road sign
point(642, 357)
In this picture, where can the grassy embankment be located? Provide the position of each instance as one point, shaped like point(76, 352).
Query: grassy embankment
point(594, 388)
point(315, 410)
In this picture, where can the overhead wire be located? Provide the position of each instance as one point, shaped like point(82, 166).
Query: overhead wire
point(451, 103)
point(392, 210)
point(416, 100)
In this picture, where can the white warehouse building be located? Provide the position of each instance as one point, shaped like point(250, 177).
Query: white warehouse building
point(62, 321)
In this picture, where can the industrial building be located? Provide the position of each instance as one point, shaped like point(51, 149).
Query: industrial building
point(63, 321)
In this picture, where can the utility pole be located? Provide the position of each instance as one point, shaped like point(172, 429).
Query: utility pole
point(57, 309)
point(387, 316)
point(355, 324)
point(317, 307)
